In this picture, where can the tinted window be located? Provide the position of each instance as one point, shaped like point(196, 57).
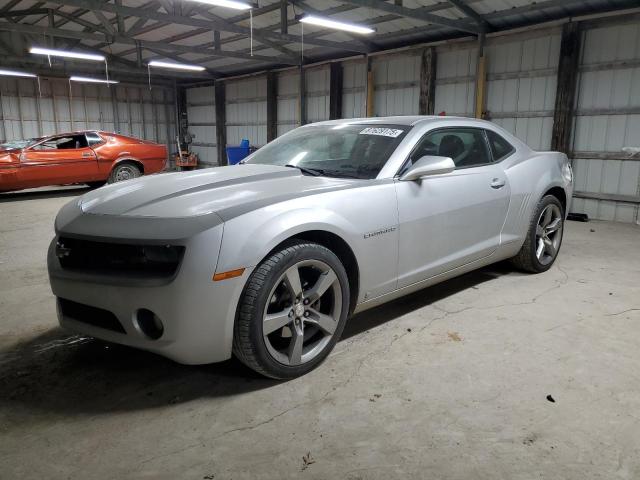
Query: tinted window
point(93, 138)
point(466, 146)
point(499, 146)
point(343, 150)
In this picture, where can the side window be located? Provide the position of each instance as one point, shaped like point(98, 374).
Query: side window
point(93, 138)
point(63, 143)
point(466, 146)
point(499, 146)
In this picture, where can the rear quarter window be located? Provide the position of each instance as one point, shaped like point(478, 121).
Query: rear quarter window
point(500, 148)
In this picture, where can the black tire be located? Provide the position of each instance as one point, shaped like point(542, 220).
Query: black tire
point(129, 170)
point(96, 184)
point(249, 345)
point(526, 259)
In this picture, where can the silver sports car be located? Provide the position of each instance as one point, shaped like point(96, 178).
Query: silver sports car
point(267, 260)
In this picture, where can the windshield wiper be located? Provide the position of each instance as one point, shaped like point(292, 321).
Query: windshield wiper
point(310, 171)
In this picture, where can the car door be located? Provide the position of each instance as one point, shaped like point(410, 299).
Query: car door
point(58, 160)
point(449, 220)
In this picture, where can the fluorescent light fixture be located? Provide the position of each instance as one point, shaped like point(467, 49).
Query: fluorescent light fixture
point(66, 53)
point(228, 4)
point(175, 66)
point(328, 23)
point(12, 73)
point(92, 80)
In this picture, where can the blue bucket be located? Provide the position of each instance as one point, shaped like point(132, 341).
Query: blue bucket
point(235, 154)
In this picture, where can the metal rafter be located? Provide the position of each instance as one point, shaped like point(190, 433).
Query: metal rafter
point(97, 37)
point(471, 13)
point(417, 13)
point(210, 23)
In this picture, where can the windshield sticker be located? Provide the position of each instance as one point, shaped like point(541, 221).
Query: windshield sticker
point(383, 132)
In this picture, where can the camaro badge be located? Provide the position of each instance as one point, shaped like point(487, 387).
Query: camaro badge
point(379, 232)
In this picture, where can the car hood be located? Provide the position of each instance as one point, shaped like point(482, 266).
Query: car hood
point(226, 191)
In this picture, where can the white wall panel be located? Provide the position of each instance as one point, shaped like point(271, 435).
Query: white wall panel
point(455, 84)
point(608, 119)
point(247, 110)
point(397, 84)
point(354, 88)
point(288, 91)
point(201, 112)
point(317, 82)
point(521, 86)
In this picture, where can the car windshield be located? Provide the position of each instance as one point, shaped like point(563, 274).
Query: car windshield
point(18, 144)
point(344, 150)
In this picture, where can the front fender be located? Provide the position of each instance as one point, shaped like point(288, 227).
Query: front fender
point(249, 238)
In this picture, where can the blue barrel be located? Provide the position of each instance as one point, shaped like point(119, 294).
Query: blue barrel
point(237, 153)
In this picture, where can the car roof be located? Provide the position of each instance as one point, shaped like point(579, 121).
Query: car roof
point(408, 120)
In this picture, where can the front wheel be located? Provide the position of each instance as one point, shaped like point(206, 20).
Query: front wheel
point(544, 238)
point(292, 311)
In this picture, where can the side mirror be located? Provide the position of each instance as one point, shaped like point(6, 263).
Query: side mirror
point(428, 165)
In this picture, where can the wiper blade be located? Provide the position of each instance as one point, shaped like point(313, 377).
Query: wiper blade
point(340, 173)
point(310, 171)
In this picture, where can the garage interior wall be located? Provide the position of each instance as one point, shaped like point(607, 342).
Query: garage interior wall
point(201, 112)
point(607, 120)
point(59, 106)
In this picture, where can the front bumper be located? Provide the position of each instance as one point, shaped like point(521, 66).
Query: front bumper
point(197, 314)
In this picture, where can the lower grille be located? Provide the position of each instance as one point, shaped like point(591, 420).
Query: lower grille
point(90, 315)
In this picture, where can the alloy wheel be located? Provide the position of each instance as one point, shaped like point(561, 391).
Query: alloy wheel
point(302, 313)
point(548, 234)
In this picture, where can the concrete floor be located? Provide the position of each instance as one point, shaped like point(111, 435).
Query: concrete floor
point(451, 382)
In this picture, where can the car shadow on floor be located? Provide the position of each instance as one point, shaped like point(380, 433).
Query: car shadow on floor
point(64, 373)
point(44, 193)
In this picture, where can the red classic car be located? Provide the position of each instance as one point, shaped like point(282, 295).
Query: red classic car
point(90, 157)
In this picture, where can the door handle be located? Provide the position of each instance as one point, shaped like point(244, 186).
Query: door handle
point(498, 183)
point(86, 154)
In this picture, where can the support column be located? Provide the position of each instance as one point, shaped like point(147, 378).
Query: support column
point(221, 122)
point(335, 91)
point(481, 79)
point(272, 106)
point(370, 90)
point(566, 89)
point(428, 81)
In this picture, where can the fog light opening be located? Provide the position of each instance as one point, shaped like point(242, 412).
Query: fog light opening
point(149, 323)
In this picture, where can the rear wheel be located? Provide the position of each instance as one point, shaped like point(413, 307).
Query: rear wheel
point(292, 311)
point(544, 238)
point(124, 171)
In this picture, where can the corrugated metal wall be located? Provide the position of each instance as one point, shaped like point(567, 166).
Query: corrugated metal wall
point(317, 91)
point(521, 85)
point(288, 90)
point(396, 84)
point(201, 112)
point(608, 119)
point(247, 110)
point(27, 111)
point(455, 80)
point(354, 89)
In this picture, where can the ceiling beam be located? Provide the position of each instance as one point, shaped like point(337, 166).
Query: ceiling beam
point(471, 13)
point(212, 24)
point(122, 39)
point(417, 13)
